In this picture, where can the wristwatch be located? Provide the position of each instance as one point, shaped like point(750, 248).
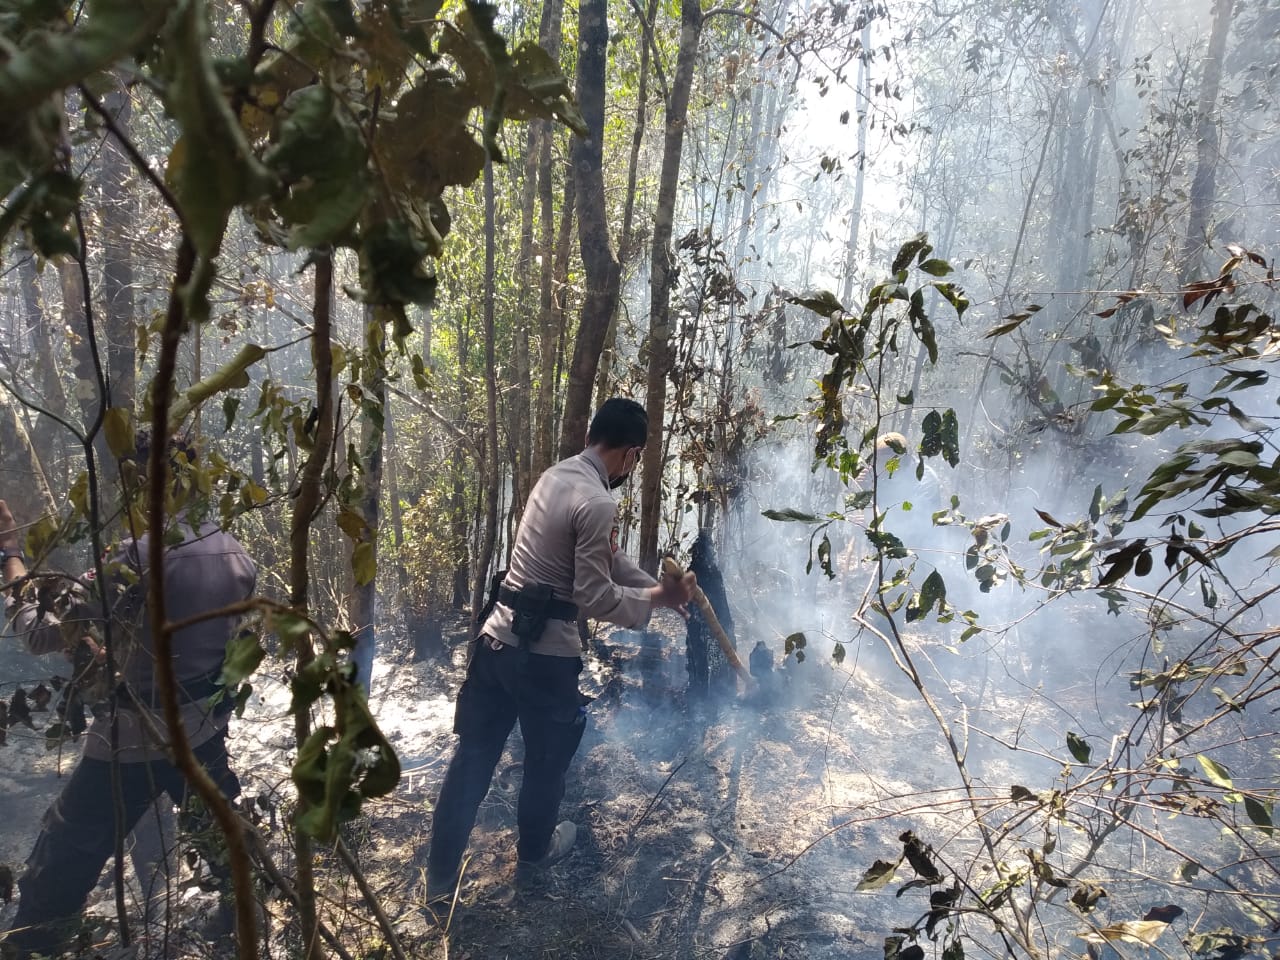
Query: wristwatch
point(13, 554)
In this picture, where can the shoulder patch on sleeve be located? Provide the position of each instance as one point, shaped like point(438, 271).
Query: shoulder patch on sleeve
point(613, 539)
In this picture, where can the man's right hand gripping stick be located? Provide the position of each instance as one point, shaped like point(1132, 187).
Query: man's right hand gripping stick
point(672, 569)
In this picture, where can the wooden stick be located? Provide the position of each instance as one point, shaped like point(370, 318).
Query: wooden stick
point(672, 569)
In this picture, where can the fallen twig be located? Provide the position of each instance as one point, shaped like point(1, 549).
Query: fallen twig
point(384, 923)
point(259, 851)
point(634, 934)
point(653, 801)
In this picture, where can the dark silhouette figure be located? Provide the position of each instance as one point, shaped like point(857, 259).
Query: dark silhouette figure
point(708, 671)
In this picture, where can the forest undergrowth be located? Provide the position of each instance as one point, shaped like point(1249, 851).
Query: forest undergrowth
point(744, 828)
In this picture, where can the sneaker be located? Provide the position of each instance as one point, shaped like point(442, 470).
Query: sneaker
point(562, 840)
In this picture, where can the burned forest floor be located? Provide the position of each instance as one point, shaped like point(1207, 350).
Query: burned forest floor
point(736, 828)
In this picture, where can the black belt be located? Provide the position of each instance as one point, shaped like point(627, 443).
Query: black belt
point(554, 610)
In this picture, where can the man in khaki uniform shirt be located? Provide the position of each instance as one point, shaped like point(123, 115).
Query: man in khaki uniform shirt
point(526, 662)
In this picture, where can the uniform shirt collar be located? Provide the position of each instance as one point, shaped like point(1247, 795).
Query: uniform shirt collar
point(593, 458)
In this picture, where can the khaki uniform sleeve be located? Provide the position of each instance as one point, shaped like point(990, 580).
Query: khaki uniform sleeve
point(628, 573)
point(595, 590)
point(42, 637)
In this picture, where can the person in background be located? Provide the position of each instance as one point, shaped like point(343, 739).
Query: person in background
point(205, 571)
point(526, 659)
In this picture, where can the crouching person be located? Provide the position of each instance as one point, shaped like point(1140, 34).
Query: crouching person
point(206, 570)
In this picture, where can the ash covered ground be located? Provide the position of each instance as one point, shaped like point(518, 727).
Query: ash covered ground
point(733, 830)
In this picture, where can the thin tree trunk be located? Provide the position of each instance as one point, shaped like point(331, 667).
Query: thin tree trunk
point(1203, 185)
point(458, 513)
point(117, 256)
point(553, 336)
point(492, 473)
point(49, 437)
point(25, 485)
point(603, 273)
point(627, 246)
point(520, 427)
point(549, 38)
point(393, 500)
point(73, 316)
point(373, 416)
point(662, 279)
point(310, 497)
point(859, 183)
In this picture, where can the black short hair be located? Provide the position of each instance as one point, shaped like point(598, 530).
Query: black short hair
point(619, 423)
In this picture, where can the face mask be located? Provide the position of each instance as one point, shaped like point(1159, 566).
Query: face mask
point(616, 482)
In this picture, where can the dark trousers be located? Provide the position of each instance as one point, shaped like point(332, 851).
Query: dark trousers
point(79, 836)
point(502, 686)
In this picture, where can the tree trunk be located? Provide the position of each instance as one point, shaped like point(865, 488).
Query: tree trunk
point(603, 273)
point(661, 280)
point(373, 416)
point(458, 512)
point(50, 436)
point(520, 426)
point(492, 473)
point(393, 500)
point(553, 335)
point(627, 245)
point(25, 486)
point(309, 499)
point(117, 256)
point(859, 183)
point(1203, 185)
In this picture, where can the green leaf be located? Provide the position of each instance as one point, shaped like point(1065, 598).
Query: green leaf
point(244, 655)
point(230, 405)
point(954, 296)
point(117, 425)
point(51, 60)
point(790, 515)
point(46, 204)
point(888, 544)
point(838, 653)
point(232, 375)
point(321, 157)
point(821, 302)
point(341, 16)
point(538, 88)
point(1215, 772)
point(212, 168)
point(1078, 747)
point(1095, 504)
point(936, 268)
point(950, 437)
point(392, 265)
point(1259, 813)
point(290, 628)
point(879, 875)
point(917, 246)
point(364, 563)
